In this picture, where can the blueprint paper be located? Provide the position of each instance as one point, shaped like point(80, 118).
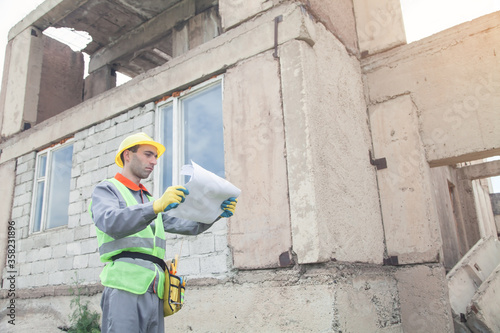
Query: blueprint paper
point(207, 191)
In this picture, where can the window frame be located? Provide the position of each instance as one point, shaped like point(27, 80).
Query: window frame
point(46, 179)
point(177, 121)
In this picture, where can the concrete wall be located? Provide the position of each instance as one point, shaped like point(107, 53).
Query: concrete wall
point(61, 82)
point(424, 299)
point(458, 122)
point(328, 298)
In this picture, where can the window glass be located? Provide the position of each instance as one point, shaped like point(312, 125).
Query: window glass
point(167, 125)
point(51, 188)
point(37, 220)
point(59, 186)
point(191, 129)
point(42, 165)
point(203, 136)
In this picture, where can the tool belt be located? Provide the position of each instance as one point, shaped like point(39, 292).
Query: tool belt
point(173, 297)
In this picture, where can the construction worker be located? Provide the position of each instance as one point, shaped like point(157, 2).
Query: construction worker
point(130, 228)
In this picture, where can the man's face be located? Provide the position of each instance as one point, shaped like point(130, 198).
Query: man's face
point(143, 161)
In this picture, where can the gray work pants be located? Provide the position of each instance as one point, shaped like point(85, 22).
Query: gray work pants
point(124, 312)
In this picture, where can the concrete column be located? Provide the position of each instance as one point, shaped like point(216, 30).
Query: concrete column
point(22, 82)
point(8, 176)
point(334, 204)
point(468, 208)
point(409, 213)
point(99, 81)
point(180, 40)
point(450, 218)
point(259, 234)
point(484, 210)
point(379, 24)
point(203, 27)
point(6, 66)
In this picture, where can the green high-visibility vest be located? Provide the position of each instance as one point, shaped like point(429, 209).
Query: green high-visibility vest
point(128, 274)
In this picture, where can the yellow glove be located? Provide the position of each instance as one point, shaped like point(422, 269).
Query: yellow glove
point(172, 197)
point(228, 206)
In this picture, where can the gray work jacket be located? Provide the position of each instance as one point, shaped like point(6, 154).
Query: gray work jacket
point(112, 216)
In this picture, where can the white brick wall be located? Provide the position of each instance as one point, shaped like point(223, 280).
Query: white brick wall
point(53, 256)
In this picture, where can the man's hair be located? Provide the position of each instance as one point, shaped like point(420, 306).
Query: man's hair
point(132, 149)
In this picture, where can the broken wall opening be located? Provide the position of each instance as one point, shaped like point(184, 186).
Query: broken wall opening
point(465, 206)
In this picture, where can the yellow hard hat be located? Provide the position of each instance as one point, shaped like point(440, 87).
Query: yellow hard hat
point(137, 139)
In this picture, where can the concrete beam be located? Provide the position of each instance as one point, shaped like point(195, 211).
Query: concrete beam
point(143, 35)
point(45, 15)
point(479, 171)
point(454, 80)
point(251, 38)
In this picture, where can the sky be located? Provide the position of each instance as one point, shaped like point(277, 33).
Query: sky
point(422, 18)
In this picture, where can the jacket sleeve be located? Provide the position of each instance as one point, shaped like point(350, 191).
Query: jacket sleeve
point(112, 216)
point(177, 225)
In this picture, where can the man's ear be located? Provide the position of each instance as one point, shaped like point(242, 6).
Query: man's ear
point(126, 156)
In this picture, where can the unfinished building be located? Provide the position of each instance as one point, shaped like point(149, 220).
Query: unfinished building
point(359, 156)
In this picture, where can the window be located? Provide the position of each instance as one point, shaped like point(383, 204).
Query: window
point(190, 127)
point(51, 187)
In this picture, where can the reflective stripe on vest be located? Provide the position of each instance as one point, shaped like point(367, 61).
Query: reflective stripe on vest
point(128, 242)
